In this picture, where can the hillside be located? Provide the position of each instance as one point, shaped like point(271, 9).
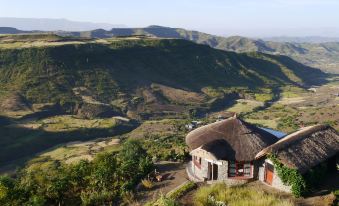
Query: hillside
point(319, 55)
point(86, 82)
point(322, 55)
point(117, 71)
point(306, 39)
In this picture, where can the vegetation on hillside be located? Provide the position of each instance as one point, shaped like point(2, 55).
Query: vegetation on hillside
point(103, 181)
point(69, 91)
point(318, 55)
point(220, 194)
point(20, 142)
point(115, 72)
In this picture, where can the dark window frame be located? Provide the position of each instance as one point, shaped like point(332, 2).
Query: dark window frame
point(242, 166)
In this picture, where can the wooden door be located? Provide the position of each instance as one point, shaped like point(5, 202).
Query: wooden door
point(269, 170)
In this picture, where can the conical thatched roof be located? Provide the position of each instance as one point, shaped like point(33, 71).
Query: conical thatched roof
point(305, 148)
point(230, 139)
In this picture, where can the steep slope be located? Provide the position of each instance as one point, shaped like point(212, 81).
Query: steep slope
point(312, 54)
point(125, 72)
point(324, 56)
point(141, 78)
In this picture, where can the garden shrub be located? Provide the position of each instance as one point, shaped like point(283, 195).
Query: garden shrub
point(290, 177)
point(182, 190)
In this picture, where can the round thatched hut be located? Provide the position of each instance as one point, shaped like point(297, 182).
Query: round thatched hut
point(226, 150)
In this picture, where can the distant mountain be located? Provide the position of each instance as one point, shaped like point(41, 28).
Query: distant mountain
point(320, 55)
point(11, 30)
point(324, 56)
point(45, 24)
point(307, 39)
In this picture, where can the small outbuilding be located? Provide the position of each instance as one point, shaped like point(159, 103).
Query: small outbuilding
point(301, 150)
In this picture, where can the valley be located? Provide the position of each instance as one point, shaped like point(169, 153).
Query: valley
point(65, 100)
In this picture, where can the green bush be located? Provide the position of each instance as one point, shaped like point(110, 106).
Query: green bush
point(290, 177)
point(182, 190)
point(148, 184)
point(171, 147)
point(103, 181)
point(163, 201)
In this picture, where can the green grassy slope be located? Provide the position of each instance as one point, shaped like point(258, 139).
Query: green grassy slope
point(48, 74)
point(18, 142)
point(319, 55)
point(141, 76)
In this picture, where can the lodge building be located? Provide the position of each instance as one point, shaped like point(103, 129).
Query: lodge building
point(235, 152)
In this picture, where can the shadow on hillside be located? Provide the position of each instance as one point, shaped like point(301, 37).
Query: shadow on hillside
point(19, 142)
point(42, 114)
point(309, 75)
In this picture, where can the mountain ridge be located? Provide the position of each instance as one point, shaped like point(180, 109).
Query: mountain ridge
point(312, 54)
point(126, 70)
point(49, 24)
point(324, 56)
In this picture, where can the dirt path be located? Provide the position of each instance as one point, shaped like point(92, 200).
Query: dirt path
point(174, 175)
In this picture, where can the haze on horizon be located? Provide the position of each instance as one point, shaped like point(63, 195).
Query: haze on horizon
point(253, 18)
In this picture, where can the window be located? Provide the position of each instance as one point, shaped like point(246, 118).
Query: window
point(247, 169)
point(239, 169)
point(232, 169)
point(197, 161)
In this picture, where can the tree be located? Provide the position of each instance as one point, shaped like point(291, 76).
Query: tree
point(134, 164)
point(7, 185)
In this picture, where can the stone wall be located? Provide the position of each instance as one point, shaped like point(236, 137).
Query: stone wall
point(201, 172)
point(223, 170)
point(277, 183)
point(261, 175)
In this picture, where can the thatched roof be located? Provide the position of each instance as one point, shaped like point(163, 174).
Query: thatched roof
point(230, 139)
point(305, 148)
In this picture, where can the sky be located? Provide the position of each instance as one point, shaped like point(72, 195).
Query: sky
point(253, 18)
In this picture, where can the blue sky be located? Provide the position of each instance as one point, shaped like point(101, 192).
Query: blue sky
point(224, 17)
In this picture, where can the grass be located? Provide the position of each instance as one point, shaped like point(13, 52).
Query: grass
point(162, 127)
point(74, 152)
point(163, 201)
point(243, 106)
point(292, 91)
point(19, 141)
point(119, 66)
point(182, 190)
point(271, 123)
point(70, 122)
point(148, 184)
point(236, 196)
point(263, 97)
